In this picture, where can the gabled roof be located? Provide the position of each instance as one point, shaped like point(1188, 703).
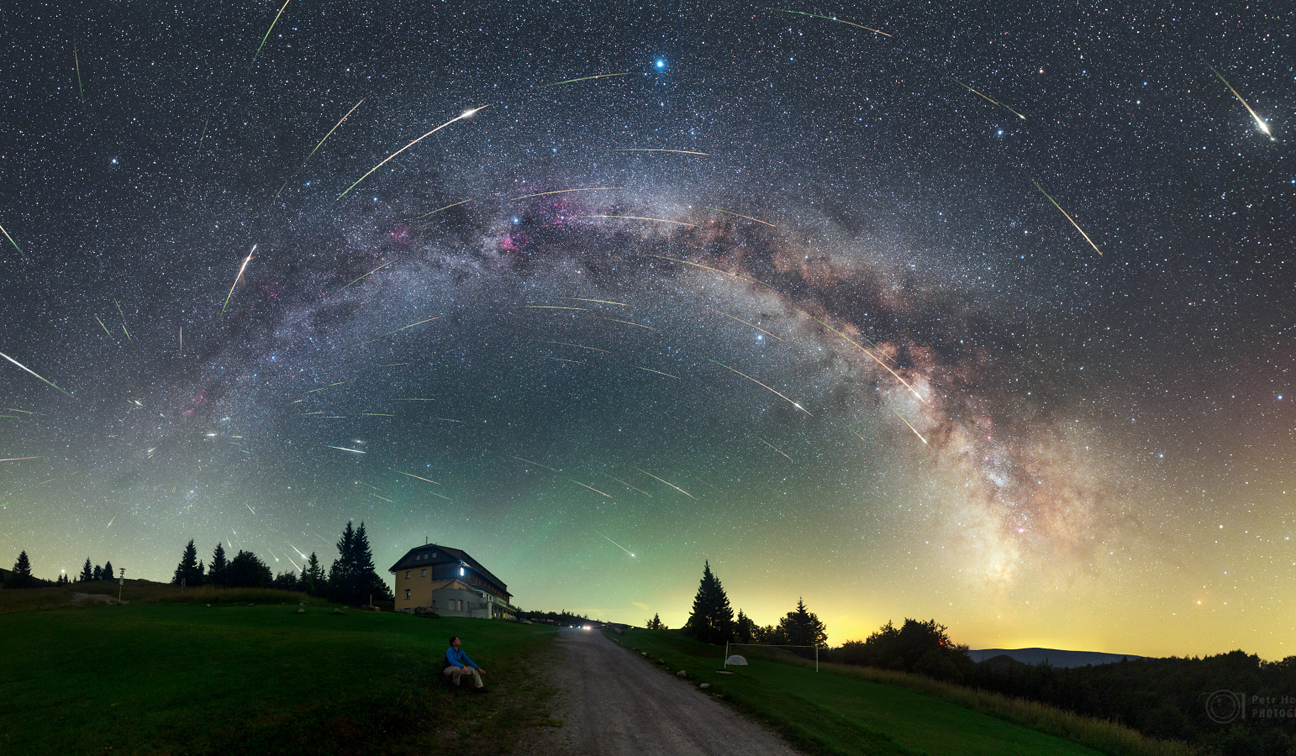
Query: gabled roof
point(409, 561)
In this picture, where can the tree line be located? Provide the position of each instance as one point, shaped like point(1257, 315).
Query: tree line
point(21, 575)
point(351, 579)
point(712, 620)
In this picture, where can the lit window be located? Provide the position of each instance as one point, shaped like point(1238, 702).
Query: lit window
point(461, 572)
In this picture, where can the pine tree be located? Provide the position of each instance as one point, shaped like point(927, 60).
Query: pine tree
point(87, 573)
point(656, 624)
point(802, 628)
point(341, 582)
point(108, 571)
point(22, 573)
point(711, 620)
point(744, 628)
point(313, 576)
point(216, 572)
point(98, 573)
point(352, 578)
point(246, 570)
point(188, 569)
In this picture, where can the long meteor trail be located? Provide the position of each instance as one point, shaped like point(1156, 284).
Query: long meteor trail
point(619, 546)
point(672, 485)
point(1068, 217)
point(758, 383)
point(33, 372)
point(460, 117)
point(1259, 121)
point(236, 279)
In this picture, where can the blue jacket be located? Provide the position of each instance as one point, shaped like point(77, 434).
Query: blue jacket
point(457, 658)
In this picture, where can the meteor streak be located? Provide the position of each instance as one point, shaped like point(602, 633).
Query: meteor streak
point(713, 270)
point(619, 546)
point(873, 356)
point(560, 191)
point(599, 301)
point(758, 383)
point(583, 78)
point(253, 511)
point(988, 99)
point(651, 149)
point(1259, 122)
point(384, 498)
point(110, 522)
point(398, 330)
point(736, 215)
point(638, 217)
point(625, 322)
point(658, 372)
point(740, 320)
point(595, 490)
point(330, 133)
point(627, 485)
point(425, 480)
point(1068, 217)
point(101, 325)
point(14, 243)
point(290, 559)
point(775, 448)
point(832, 18)
point(20, 459)
point(578, 346)
point(672, 485)
point(370, 273)
point(343, 448)
point(461, 116)
point(33, 372)
point(906, 422)
point(439, 209)
point(267, 34)
point(236, 278)
point(77, 59)
point(532, 462)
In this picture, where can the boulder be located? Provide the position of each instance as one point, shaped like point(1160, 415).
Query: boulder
point(337, 611)
point(301, 611)
point(681, 673)
point(705, 685)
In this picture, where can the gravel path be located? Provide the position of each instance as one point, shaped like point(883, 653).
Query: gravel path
point(613, 702)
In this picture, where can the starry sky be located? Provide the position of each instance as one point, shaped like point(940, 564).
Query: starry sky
point(966, 311)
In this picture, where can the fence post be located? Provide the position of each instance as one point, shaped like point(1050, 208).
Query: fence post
point(726, 659)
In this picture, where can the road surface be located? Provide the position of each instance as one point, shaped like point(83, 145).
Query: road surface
point(614, 702)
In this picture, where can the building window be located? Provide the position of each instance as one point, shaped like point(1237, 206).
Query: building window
point(407, 572)
point(461, 572)
point(424, 573)
point(407, 594)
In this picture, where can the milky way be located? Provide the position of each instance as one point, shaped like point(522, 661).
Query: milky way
point(988, 320)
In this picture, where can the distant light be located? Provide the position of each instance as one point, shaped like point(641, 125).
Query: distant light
point(461, 572)
point(660, 64)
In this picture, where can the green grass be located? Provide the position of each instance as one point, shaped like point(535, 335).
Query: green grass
point(840, 710)
point(175, 678)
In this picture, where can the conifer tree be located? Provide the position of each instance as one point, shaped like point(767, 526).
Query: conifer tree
point(313, 576)
point(744, 628)
point(802, 628)
point(187, 569)
point(711, 620)
point(98, 573)
point(22, 573)
point(108, 571)
point(216, 572)
point(87, 573)
point(352, 578)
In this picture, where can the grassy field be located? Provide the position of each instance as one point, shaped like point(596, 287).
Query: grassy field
point(840, 710)
point(164, 677)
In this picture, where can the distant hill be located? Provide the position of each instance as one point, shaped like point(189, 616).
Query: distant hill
point(1054, 656)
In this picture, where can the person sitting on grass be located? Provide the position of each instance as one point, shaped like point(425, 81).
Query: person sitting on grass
point(460, 664)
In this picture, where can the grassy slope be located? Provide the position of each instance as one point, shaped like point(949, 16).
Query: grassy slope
point(185, 678)
point(836, 712)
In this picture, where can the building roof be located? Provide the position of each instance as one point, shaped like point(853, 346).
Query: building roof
point(410, 561)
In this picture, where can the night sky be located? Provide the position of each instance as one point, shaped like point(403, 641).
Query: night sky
point(980, 312)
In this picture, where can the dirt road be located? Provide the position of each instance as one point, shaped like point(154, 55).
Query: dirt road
point(613, 702)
